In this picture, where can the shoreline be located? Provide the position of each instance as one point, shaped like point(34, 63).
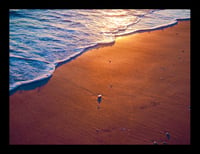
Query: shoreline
point(33, 84)
point(145, 87)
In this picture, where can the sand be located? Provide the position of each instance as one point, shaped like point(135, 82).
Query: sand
point(144, 80)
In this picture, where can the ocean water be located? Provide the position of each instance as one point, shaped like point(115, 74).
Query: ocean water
point(39, 40)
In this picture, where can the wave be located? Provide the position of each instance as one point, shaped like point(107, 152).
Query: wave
point(40, 70)
point(42, 40)
point(158, 27)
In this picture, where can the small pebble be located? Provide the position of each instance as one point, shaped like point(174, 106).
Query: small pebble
point(161, 78)
point(123, 129)
point(164, 143)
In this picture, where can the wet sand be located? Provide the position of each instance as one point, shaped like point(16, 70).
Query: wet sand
point(144, 80)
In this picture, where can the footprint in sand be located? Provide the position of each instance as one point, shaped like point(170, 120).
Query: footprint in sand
point(151, 104)
point(103, 130)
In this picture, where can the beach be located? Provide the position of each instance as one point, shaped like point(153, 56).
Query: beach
point(144, 80)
